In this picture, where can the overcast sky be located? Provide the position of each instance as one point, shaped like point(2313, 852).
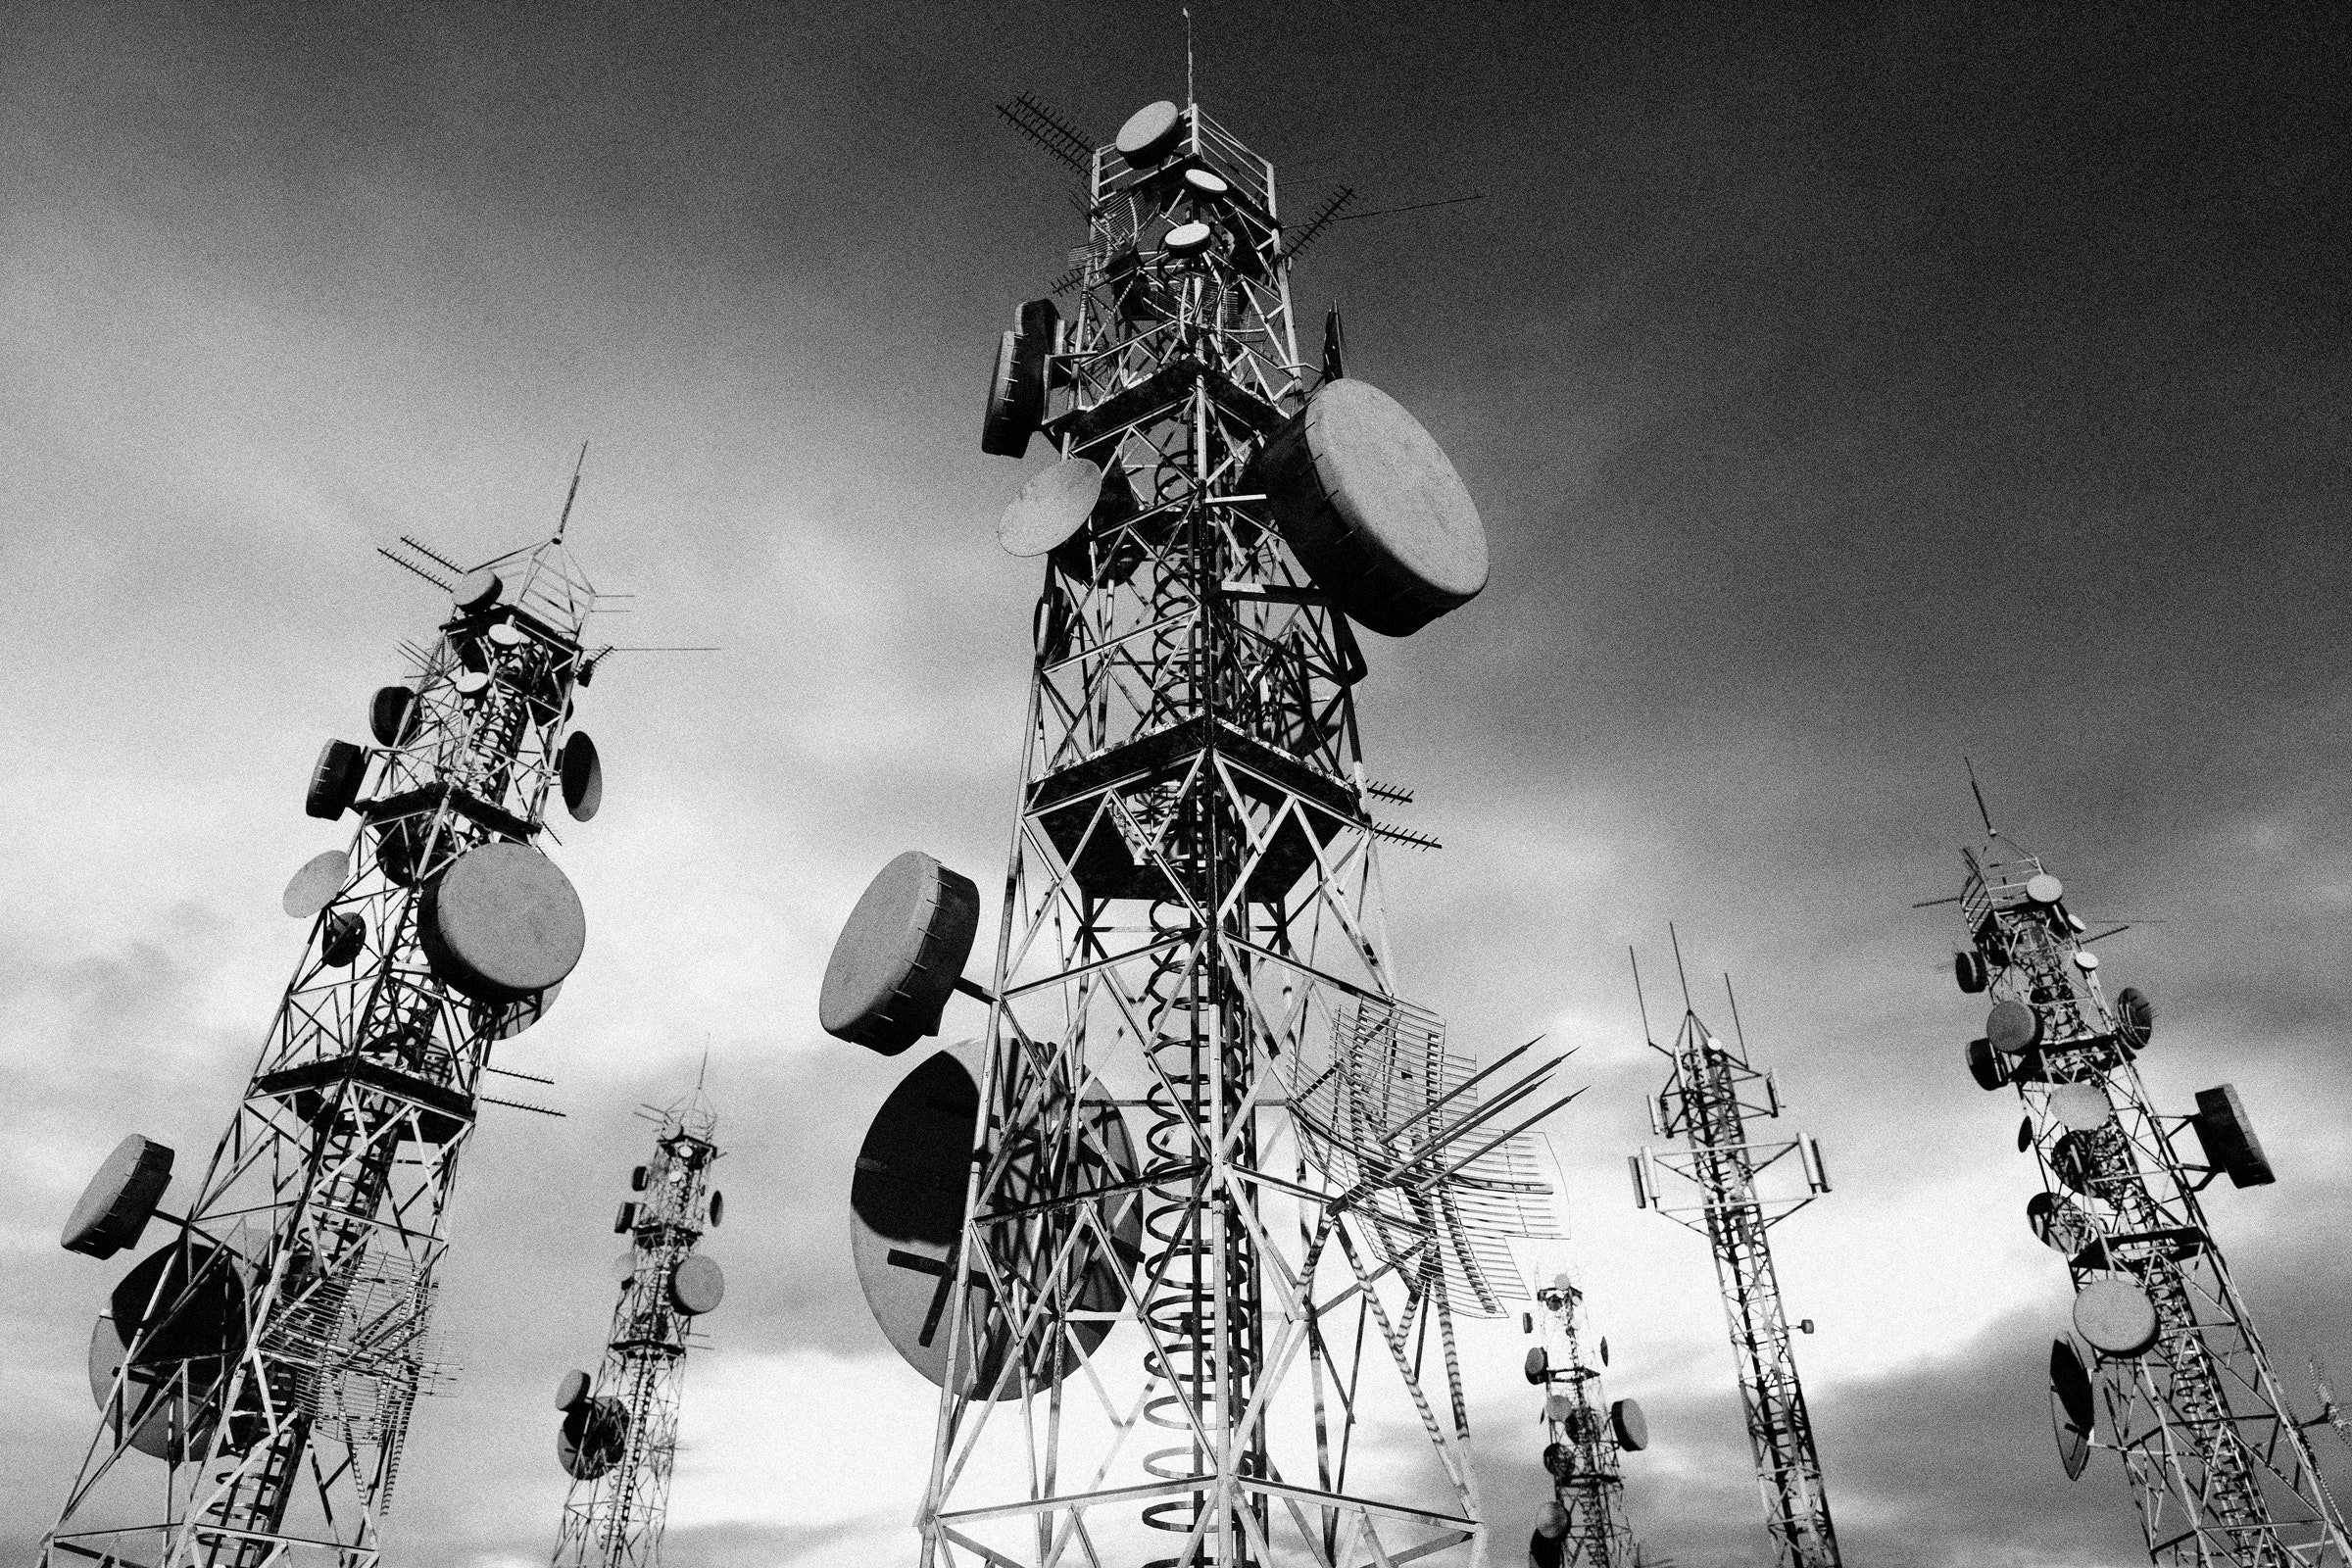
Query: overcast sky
point(1842, 393)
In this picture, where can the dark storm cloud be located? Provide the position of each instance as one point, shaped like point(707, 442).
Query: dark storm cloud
point(1842, 393)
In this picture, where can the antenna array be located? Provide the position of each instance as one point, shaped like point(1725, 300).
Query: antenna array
point(1709, 1101)
point(269, 1352)
point(2185, 1390)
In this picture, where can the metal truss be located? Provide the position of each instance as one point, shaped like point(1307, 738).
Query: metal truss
point(1192, 928)
point(615, 1519)
point(315, 1237)
point(1708, 1103)
point(1581, 1450)
point(2222, 1473)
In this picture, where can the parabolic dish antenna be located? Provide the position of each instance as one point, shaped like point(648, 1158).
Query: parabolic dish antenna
point(334, 780)
point(582, 773)
point(1207, 182)
point(121, 1198)
point(473, 683)
point(1539, 1364)
point(2013, 1027)
point(2115, 1317)
point(312, 887)
point(1630, 1425)
point(2070, 1381)
point(1368, 502)
point(392, 716)
point(1052, 506)
point(697, 1285)
point(501, 923)
point(2135, 1017)
point(907, 1205)
point(2080, 1106)
point(1151, 133)
point(1984, 1065)
point(2061, 1224)
point(2073, 1443)
point(572, 1390)
point(900, 954)
point(346, 934)
point(156, 1416)
point(592, 1437)
point(2043, 888)
point(478, 590)
point(1188, 239)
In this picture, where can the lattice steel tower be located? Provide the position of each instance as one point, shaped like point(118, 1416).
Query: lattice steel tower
point(1191, 933)
point(1708, 1103)
point(2177, 1378)
point(620, 1428)
point(1587, 1526)
point(269, 1352)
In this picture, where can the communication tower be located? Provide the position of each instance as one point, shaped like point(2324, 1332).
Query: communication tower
point(620, 1428)
point(2176, 1379)
point(269, 1351)
point(1191, 936)
point(1710, 1098)
point(1585, 1525)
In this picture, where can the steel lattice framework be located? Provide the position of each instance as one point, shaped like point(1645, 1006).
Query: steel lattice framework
point(1708, 1101)
point(2222, 1473)
point(615, 1519)
point(1192, 922)
point(1581, 1448)
point(322, 1214)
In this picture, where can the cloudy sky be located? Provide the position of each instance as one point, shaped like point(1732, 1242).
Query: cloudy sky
point(1842, 393)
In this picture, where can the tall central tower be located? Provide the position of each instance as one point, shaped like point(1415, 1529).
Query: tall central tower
point(1205, 1120)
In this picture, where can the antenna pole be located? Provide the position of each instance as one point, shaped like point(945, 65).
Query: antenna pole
point(1991, 831)
point(565, 520)
point(1675, 939)
point(1638, 1003)
point(1189, 100)
point(1737, 1033)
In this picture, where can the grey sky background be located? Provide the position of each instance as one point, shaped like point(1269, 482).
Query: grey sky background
point(1843, 391)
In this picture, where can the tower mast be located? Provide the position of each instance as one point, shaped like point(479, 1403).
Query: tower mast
point(1710, 1098)
point(269, 1353)
point(1191, 936)
point(2222, 1472)
point(620, 1428)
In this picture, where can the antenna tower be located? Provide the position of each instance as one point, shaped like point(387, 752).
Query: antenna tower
point(2222, 1471)
point(1191, 936)
point(620, 1428)
point(1709, 1100)
point(269, 1351)
point(1586, 1526)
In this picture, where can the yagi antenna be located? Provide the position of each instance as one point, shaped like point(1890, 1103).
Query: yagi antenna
point(1325, 215)
point(1991, 831)
point(1061, 140)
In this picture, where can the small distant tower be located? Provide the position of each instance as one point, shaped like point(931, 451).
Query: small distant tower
point(2184, 1389)
point(1708, 1101)
point(1586, 1526)
point(271, 1351)
point(620, 1429)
